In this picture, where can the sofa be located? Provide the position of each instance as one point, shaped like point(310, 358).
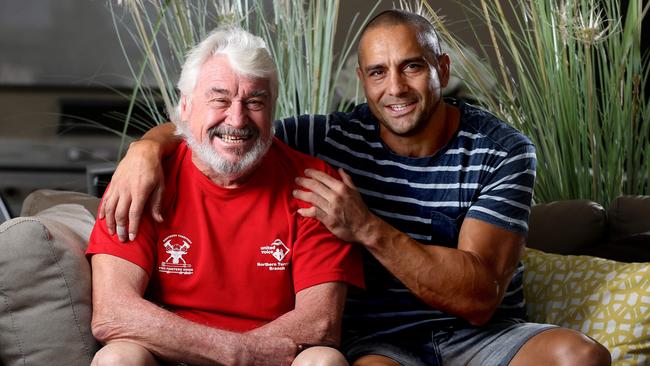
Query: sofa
point(587, 268)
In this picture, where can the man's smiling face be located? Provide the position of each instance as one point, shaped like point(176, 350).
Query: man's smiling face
point(402, 86)
point(227, 121)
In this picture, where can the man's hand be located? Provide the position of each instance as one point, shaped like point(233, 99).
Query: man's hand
point(335, 203)
point(138, 175)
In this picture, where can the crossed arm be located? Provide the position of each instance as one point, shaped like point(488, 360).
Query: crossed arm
point(120, 313)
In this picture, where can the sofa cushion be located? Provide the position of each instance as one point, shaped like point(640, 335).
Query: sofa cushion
point(45, 298)
point(632, 248)
point(43, 199)
point(607, 300)
point(629, 216)
point(566, 227)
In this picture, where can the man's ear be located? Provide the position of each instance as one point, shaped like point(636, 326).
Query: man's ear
point(444, 68)
point(359, 74)
point(184, 108)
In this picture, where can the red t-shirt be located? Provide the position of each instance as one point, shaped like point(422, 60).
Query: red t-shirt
point(234, 258)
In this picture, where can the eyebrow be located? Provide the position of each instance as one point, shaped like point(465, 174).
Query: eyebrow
point(402, 62)
point(218, 91)
point(258, 93)
point(226, 92)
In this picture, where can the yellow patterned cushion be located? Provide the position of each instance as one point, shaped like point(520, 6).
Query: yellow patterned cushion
point(607, 300)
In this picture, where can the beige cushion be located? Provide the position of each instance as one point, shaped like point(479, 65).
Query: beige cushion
point(45, 298)
point(43, 199)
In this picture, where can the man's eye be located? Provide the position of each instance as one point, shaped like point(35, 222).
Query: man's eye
point(376, 73)
point(255, 105)
point(412, 67)
point(219, 102)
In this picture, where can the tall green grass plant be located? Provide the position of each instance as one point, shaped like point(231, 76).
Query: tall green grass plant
point(300, 35)
point(570, 74)
point(572, 77)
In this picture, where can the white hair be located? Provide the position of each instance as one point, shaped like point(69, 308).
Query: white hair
point(247, 54)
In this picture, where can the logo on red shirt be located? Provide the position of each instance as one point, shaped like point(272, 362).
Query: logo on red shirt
point(176, 246)
point(277, 250)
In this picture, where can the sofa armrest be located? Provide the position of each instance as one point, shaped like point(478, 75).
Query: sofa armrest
point(45, 288)
point(43, 199)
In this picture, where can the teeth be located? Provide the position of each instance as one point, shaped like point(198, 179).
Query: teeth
point(398, 107)
point(231, 138)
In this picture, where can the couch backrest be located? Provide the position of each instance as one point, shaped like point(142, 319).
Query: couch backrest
point(584, 227)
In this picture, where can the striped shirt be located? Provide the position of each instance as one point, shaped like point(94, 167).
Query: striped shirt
point(486, 172)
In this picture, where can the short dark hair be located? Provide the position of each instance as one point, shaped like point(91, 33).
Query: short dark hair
point(426, 32)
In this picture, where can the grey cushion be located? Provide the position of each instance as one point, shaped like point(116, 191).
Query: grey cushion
point(43, 199)
point(566, 227)
point(45, 298)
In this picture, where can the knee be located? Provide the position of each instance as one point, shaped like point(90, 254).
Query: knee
point(582, 351)
point(320, 356)
point(590, 353)
point(375, 360)
point(122, 354)
point(108, 356)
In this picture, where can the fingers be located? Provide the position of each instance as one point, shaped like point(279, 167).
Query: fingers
point(102, 209)
point(317, 187)
point(312, 198)
point(156, 203)
point(313, 212)
point(121, 217)
point(324, 178)
point(135, 212)
point(346, 178)
point(108, 206)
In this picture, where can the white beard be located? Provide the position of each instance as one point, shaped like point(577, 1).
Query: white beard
point(220, 165)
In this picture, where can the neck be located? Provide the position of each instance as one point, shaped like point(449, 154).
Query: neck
point(435, 135)
point(224, 181)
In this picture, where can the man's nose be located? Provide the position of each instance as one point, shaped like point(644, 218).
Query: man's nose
point(397, 84)
point(237, 115)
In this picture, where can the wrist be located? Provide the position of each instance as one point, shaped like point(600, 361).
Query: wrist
point(147, 146)
point(241, 352)
point(372, 232)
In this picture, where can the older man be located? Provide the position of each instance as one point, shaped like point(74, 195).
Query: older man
point(234, 275)
point(440, 201)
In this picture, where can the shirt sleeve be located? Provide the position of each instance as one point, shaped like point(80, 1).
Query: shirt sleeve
point(322, 257)
point(140, 251)
point(504, 199)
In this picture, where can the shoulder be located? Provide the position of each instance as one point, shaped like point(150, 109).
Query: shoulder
point(294, 162)
point(175, 166)
point(359, 119)
point(485, 129)
point(359, 116)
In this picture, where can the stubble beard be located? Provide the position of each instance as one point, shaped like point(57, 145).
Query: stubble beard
point(419, 121)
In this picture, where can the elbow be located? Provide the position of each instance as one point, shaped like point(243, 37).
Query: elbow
point(327, 332)
point(480, 308)
point(101, 330)
point(479, 317)
point(104, 327)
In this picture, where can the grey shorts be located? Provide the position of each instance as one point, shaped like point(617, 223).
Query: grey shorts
point(493, 344)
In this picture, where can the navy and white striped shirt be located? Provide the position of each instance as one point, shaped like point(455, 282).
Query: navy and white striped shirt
point(486, 172)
